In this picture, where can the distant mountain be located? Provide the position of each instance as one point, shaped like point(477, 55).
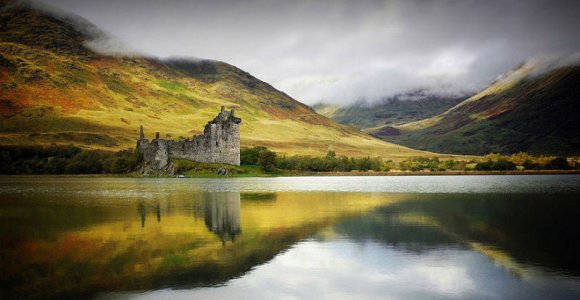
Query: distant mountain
point(55, 89)
point(396, 110)
point(530, 110)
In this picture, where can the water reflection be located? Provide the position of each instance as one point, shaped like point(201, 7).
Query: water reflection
point(142, 209)
point(222, 215)
point(74, 246)
point(288, 244)
point(522, 233)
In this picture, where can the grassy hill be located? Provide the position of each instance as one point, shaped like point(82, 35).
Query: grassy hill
point(391, 111)
point(56, 90)
point(527, 110)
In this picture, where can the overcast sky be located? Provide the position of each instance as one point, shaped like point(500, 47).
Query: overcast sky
point(341, 51)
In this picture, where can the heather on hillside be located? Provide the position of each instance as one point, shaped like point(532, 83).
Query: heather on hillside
point(57, 90)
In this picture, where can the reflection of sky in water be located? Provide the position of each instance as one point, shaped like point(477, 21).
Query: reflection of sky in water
point(344, 269)
point(516, 240)
point(123, 188)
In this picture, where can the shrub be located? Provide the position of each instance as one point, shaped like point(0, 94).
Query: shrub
point(267, 160)
point(249, 156)
point(65, 160)
point(484, 165)
point(503, 164)
point(530, 165)
point(558, 163)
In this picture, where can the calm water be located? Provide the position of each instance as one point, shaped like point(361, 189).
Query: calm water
point(465, 237)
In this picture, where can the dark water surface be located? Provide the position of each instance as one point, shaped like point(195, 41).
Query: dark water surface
point(464, 237)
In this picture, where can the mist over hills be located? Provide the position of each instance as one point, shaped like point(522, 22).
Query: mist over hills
point(533, 108)
point(391, 111)
point(340, 51)
point(57, 90)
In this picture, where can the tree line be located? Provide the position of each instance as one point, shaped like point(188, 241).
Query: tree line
point(74, 160)
point(66, 160)
point(270, 161)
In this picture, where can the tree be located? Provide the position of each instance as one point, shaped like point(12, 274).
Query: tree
point(484, 165)
point(330, 153)
point(267, 160)
point(503, 165)
point(530, 165)
point(449, 164)
point(249, 156)
point(558, 163)
point(55, 165)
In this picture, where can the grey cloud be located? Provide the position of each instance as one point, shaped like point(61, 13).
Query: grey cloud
point(341, 51)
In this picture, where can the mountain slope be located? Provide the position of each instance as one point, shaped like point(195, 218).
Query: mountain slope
point(391, 111)
point(55, 89)
point(525, 111)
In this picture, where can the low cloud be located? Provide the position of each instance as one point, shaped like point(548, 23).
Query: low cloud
point(341, 51)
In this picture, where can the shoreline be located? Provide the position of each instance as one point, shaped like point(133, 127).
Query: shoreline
point(320, 174)
point(444, 173)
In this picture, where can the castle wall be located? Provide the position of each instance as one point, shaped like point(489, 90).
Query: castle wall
point(220, 143)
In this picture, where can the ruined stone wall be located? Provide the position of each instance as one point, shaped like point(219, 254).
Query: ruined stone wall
point(220, 143)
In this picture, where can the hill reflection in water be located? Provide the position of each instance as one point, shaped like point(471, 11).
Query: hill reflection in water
point(75, 241)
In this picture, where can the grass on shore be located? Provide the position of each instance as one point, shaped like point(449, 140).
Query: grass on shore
point(208, 170)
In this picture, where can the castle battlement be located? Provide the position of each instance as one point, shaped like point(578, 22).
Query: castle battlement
point(220, 143)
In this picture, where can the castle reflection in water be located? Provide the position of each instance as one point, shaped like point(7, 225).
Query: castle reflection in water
point(221, 214)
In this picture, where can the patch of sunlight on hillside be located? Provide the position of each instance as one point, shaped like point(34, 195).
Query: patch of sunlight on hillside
point(503, 83)
point(327, 110)
point(100, 104)
point(421, 124)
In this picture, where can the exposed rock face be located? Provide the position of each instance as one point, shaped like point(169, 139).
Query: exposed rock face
point(220, 143)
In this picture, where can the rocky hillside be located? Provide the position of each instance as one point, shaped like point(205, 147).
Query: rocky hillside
point(530, 109)
point(56, 90)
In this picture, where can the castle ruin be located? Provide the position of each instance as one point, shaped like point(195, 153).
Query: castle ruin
point(220, 143)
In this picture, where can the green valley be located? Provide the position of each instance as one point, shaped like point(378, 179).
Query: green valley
point(57, 91)
point(525, 111)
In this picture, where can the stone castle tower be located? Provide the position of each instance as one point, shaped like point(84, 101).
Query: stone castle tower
point(220, 143)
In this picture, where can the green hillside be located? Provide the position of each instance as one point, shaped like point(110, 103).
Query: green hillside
point(56, 90)
point(525, 111)
point(391, 111)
